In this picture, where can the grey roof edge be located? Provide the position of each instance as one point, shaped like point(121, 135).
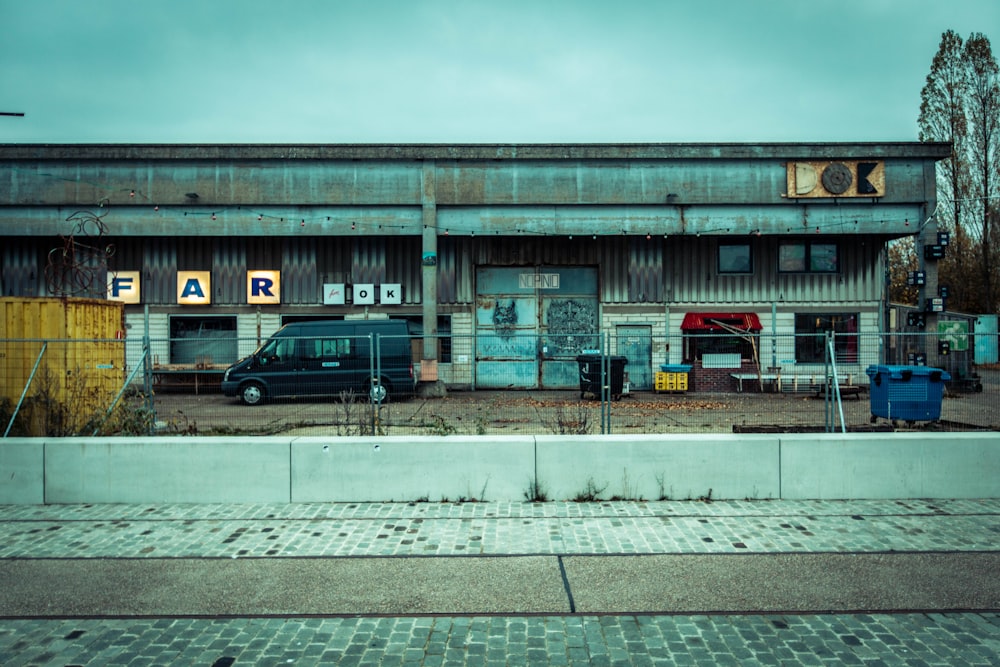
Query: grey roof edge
point(529, 151)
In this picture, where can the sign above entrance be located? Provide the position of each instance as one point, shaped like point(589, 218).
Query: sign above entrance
point(538, 280)
point(849, 178)
point(389, 294)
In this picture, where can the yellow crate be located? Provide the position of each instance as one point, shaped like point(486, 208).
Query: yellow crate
point(670, 381)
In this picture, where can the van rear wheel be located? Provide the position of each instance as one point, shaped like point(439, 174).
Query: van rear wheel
point(378, 392)
point(252, 393)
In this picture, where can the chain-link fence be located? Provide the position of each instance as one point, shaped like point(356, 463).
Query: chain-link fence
point(733, 381)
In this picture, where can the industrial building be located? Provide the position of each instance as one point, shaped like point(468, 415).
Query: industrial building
point(508, 260)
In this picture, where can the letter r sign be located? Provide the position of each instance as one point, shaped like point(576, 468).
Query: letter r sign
point(263, 287)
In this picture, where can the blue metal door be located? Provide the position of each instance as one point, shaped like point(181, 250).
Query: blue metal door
point(986, 340)
point(531, 323)
point(635, 343)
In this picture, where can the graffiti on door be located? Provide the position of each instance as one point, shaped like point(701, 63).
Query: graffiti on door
point(571, 325)
point(505, 318)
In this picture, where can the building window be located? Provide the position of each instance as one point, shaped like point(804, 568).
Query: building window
point(735, 258)
point(810, 336)
point(806, 257)
point(203, 340)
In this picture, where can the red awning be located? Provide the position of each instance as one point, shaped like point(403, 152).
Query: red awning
point(711, 321)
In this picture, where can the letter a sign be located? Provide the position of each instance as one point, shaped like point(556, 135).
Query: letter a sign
point(194, 288)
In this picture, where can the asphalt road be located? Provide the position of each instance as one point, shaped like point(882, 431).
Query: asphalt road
point(616, 584)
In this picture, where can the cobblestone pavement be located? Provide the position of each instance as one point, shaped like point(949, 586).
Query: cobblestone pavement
point(365, 530)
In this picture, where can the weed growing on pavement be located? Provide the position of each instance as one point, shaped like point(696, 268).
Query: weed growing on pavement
point(535, 493)
point(567, 421)
point(661, 484)
point(590, 493)
point(630, 491)
point(438, 425)
point(355, 417)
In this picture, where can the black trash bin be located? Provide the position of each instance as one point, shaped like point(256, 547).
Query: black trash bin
point(590, 375)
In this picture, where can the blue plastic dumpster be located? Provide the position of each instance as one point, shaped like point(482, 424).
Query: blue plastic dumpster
point(907, 393)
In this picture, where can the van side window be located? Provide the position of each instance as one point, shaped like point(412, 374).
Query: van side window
point(311, 348)
point(337, 347)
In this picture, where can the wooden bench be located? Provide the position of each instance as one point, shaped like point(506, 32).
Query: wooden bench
point(198, 376)
point(844, 389)
point(769, 379)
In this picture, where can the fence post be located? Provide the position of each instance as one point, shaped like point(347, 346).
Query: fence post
point(372, 342)
point(831, 393)
point(605, 385)
point(121, 392)
point(27, 384)
point(147, 371)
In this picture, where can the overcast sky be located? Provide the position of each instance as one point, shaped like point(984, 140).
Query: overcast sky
point(500, 71)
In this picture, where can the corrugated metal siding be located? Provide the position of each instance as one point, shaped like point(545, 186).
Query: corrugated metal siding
point(631, 270)
point(335, 258)
point(645, 273)
point(656, 270)
point(76, 271)
point(373, 257)
point(403, 265)
point(160, 271)
point(20, 274)
point(449, 267)
point(692, 275)
point(299, 282)
point(305, 264)
point(228, 265)
point(369, 260)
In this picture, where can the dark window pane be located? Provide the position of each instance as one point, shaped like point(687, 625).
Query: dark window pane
point(792, 257)
point(735, 258)
point(823, 258)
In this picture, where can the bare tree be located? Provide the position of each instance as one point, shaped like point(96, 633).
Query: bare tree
point(902, 262)
point(983, 108)
point(960, 103)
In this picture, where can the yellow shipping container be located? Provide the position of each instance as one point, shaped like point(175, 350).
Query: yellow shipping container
point(81, 369)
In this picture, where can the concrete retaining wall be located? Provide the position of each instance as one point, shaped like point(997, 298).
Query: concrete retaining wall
point(167, 470)
point(399, 468)
point(659, 466)
point(503, 468)
point(903, 465)
point(22, 477)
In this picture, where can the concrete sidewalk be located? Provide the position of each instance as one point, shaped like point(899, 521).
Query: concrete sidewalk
point(804, 582)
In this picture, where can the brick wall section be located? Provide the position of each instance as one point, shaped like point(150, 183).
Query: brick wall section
point(720, 379)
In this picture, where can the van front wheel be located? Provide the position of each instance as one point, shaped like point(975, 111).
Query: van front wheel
point(252, 393)
point(379, 392)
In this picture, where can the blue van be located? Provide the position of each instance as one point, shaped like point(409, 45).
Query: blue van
point(325, 358)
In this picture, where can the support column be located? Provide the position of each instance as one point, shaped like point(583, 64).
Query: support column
point(927, 235)
point(429, 275)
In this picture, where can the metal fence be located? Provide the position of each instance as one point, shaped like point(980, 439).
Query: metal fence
point(514, 384)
